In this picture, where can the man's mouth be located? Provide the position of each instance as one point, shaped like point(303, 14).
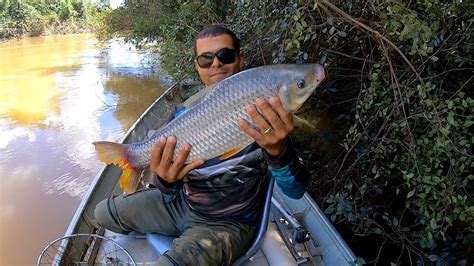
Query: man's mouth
point(219, 73)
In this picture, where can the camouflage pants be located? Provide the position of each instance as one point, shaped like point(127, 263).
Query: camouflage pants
point(199, 241)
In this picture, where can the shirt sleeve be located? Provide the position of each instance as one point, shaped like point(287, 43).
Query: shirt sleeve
point(288, 171)
point(169, 190)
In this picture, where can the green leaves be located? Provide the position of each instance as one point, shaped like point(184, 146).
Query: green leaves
point(402, 144)
point(416, 33)
point(428, 144)
point(34, 18)
point(340, 206)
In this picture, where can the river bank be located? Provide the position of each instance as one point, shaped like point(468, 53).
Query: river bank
point(20, 19)
point(63, 29)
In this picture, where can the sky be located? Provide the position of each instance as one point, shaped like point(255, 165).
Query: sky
point(115, 3)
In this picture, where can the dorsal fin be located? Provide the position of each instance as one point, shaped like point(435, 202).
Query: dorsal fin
point(197, 97)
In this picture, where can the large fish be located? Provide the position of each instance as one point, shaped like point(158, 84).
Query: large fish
point(211, 125)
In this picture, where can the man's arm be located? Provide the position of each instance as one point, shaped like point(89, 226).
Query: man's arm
point(288, 171)
point(274, 125)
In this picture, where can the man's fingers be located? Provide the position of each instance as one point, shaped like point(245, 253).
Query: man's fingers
point(156, 152)
point(244, 125)
point(270, 115)
point(285, 117)
point(190, 167)
point(168, 151)
point(180, 160)
point(257, 118)
point(162, 164)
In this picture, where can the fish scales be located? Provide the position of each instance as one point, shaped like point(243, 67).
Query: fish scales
point(211, 126)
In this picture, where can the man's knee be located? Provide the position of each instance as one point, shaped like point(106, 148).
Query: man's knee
point(211, 246)
point(198, 251)
point(101, 212)
point(104, 217)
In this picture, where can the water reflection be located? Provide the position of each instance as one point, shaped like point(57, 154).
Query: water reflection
point(137, 93)
point(27, 91)
point(58, 95)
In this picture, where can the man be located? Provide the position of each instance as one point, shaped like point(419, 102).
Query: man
point(211, 206)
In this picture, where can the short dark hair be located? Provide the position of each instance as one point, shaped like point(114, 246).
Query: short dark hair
point(217, 30)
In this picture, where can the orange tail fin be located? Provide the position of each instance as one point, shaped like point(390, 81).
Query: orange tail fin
point(115, 153)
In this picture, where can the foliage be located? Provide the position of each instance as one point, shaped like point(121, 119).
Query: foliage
point(398, 87)
point(33, 18)
point(173, 24)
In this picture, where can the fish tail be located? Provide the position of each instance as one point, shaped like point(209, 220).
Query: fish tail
point(116, 153)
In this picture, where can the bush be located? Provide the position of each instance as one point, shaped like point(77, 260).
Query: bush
point(33, 18)
point(394, 168)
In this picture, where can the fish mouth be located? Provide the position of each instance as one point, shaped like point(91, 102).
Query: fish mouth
point(319, 73)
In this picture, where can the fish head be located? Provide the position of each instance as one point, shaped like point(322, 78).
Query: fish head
point(298, 84)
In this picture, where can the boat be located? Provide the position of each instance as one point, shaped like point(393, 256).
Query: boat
point(290, 232)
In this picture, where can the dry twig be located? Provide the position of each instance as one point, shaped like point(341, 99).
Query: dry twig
point(375, 33)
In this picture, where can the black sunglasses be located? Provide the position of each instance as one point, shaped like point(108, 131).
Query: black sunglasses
point(225, 55)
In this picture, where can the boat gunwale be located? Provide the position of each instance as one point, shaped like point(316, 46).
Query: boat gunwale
point(84, 206)
point(92, 187)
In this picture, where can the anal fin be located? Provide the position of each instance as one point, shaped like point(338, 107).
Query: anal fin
point(231, 152)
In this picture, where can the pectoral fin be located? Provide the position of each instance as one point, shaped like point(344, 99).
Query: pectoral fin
point(231, 153)
point(303, 121)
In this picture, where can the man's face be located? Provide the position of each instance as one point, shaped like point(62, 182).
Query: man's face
point(217, 71)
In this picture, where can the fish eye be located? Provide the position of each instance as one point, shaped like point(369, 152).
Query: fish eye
point(301, 83)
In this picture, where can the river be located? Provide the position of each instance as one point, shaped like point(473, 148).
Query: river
point(58, 94)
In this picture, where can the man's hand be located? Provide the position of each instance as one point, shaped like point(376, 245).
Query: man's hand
point(161, 162)
point(274, 123)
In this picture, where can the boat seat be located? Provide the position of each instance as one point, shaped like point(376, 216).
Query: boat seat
point(162, 243)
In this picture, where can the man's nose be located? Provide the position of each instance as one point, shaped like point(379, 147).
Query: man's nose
point(216, 62)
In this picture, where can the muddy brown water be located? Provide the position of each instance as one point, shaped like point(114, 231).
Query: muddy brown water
point(58, 94)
